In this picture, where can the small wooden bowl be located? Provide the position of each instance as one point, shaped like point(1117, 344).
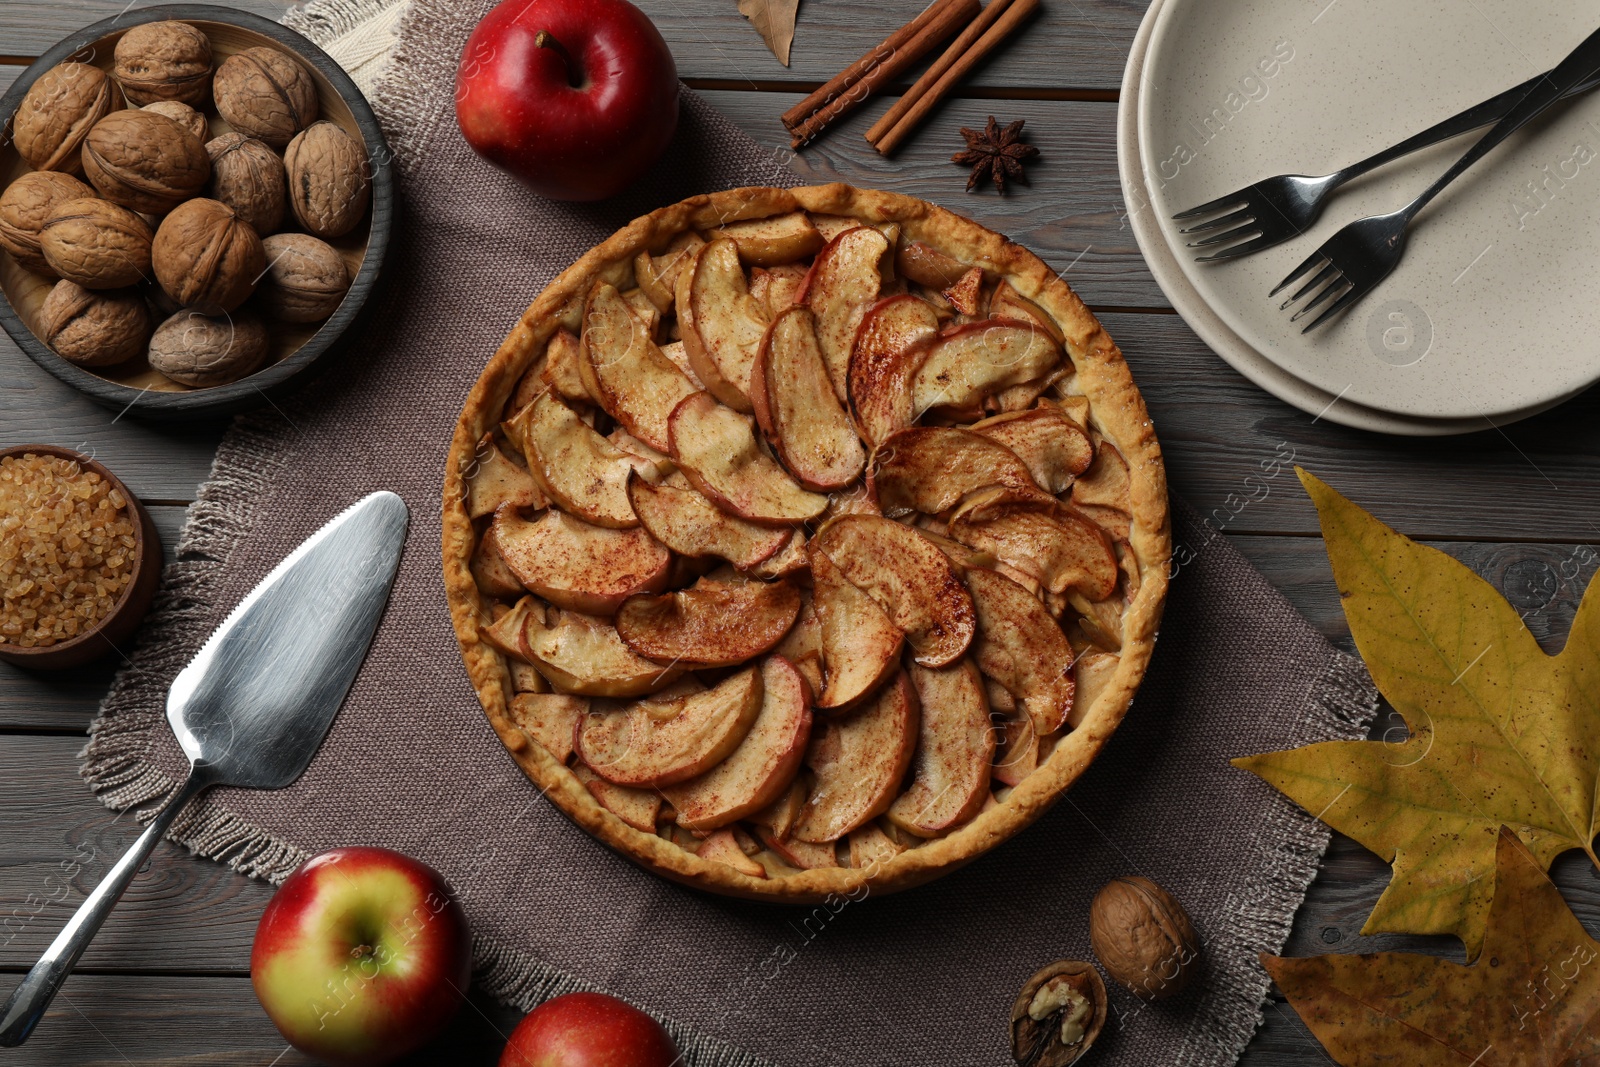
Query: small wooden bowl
point(114, 631)
point(133, 386)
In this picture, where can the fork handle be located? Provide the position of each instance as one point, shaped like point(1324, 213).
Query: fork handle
point(1581, 64)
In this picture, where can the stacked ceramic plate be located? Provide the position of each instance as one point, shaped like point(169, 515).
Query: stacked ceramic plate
point(1493, 314)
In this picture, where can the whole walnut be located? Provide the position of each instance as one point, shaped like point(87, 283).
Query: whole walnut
point(248, 177)
point(200, 350)
point(26, 205)
point(183, 115)
point(91, 328)
point(1144, 938)
point(328, 181)
point(145, 161)
point(206, 257)
point(96, 243)
point(306, 278)
point(265, 94)
point(163, 61)
point(58, 112)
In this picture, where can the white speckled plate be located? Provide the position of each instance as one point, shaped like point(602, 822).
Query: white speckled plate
point(1492, 314)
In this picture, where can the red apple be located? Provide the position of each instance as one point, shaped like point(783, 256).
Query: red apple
point(361, 956)
point(589, 1030)
point(575, 97)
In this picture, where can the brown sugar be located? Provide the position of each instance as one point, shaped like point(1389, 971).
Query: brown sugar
point(67, 549)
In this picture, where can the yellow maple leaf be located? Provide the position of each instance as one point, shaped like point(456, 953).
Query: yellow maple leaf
point(1499, 732)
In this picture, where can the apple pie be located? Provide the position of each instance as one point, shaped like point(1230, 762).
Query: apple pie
point(805, 540)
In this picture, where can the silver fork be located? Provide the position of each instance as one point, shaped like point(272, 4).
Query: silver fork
point(1364, 253)
point(1281, 208)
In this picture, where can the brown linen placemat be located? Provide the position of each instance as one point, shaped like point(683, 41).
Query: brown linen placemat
point(922, 977)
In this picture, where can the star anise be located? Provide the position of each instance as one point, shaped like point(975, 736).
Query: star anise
point(994, 153)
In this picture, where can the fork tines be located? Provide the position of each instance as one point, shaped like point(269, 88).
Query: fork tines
point(1329, 282)
point(1238, 225)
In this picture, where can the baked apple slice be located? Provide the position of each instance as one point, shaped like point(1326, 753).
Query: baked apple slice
point(1107, 482)
point(955, 746)
point(966, 294)
point(1020, 646)
point(763, 767)
point(1041, 538)
point(912, 581)
point(656, 743)
point(796, 406)
point(723, 847)
point(768, 242)
point(690, 525)
point(488, 565)
point(859, 761)
point(1055, 449)
point(1017, 752)
point(976, 360)
point(550, 719)
point(657, 275)
point(781, 815)
point(563, 368)
point(505, 633)
point(802, 855)
point(582, 655)
point(890, 345)
point(576, 467)
point(777, 288)
point(710, 624)
point(496, 480)
point(931, 469)
point(1093, 673)
point(574, 565)
point(1007, 303)
point(636, 807)
point(790, 559)
point(634, 382)
point(721, 322)
point(860, 645)
point(716, 449)
point(928, 266)
point(871, 848)
point(843, 283)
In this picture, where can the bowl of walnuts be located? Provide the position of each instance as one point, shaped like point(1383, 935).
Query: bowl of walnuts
point(195, 203)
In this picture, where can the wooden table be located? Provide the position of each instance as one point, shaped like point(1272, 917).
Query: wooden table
point(167, 979)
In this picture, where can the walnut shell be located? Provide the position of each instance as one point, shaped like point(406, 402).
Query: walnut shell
point(26, 206)
point(58, 112)
point(96, 243)
point(183, 115)
point(265, 94)
point(1058, 1015)
point(329, 185)
point(306, 278)
point(248, 177)
point(93, 329)
point(145, 161)
point(201, 350)
point(208, 258)
point(1144, 938)
point(163, 61)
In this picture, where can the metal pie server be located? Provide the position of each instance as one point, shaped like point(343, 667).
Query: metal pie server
point(251, 708)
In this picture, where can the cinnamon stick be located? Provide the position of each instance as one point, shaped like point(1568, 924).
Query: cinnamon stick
point(1009, 20)
point(931, 76)
point(844, 93)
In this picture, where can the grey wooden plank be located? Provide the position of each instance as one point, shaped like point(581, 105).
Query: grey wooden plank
point(33, 26)
point(1070, 214)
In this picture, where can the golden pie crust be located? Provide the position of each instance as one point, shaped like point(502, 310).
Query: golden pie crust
point(1116, 412)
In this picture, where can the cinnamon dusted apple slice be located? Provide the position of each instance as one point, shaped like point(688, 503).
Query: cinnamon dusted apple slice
point(495, 479)
point(932, 468)
point(710, 624)
point(1106, 483)
point(1055, 449)
point(1007, 303)
point(802, 645)
point(680, 359)
point(842, 285)
point(1017, 753)
point(716, 449)
point(1020, 646)
point(966, 294)
point(636, 807)
point(488, 565)
point(961, 557)
point(805, 855)
point(928, 266)
point(1024, 396)
point(796, 405)
point(860, 645)
point(776, 289)
point(505, 633)
point(955, 745)
point(970, 362)
point(772, 241)
point(912, 581)
point(574, 565)
point(563, 363)
point(763, 767)
point(645, 310)
point(723, 847)
point(790, 559)
point(1041, 538)
point(550, 719)
point(780, 816)
point(580, 470)
point(656, 743)
point(657, 276)
point(871, 848)
point(691, 525)
point(634, 382)
point(1093, 673)
point(583, 655)
point(890, 345)
point(859, 760)
point(721, 322)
